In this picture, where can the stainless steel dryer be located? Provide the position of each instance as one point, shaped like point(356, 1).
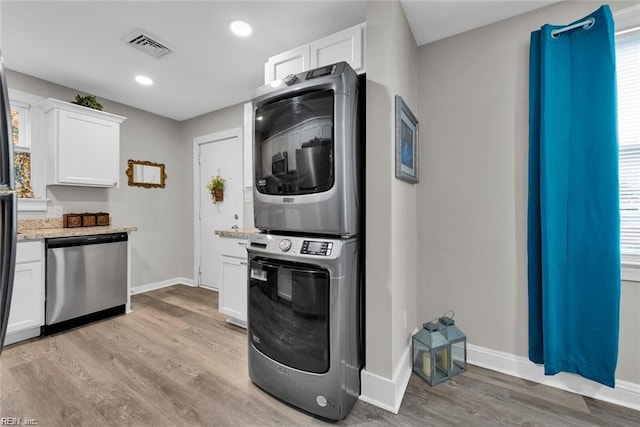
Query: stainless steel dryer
point(304, 320)
point(306, 153)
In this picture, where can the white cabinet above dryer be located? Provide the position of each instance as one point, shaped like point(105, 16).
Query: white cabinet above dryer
point(346, 45)
point(83, 145)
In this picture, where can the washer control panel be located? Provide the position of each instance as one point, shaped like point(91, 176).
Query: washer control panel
point(312, 247)
point(285, 245)
point(293, 245)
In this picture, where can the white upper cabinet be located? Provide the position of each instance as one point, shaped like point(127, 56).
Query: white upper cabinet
point(84, 145)
point(293, 61)
point(346, 45)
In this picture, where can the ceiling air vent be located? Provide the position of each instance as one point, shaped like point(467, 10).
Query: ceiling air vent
point(147, 43)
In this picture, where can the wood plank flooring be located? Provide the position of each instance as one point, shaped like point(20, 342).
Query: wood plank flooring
point(174, 361)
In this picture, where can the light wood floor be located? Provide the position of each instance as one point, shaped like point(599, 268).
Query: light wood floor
point(174, 361)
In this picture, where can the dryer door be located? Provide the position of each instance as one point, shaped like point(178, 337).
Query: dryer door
point(294, 144)
point(289, 313)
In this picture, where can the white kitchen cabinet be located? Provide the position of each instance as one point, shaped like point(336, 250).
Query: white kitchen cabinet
point(346, 45)
point(26, 314)
point(232, 299)
point(83, 145)
point(293, 61)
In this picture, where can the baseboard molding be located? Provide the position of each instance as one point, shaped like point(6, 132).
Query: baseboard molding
point(163, 284)
point(26, 334)
point(625, 393)
point(383, 392)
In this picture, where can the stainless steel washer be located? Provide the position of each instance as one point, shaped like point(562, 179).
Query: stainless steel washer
point(304, 321)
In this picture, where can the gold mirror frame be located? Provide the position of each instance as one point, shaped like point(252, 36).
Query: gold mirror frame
point(152, 181)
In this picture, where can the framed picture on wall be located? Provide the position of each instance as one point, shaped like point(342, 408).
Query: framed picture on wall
point(406, 143)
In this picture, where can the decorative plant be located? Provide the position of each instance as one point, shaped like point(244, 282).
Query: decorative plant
point(88, 101)
point(216, 187)
point(216, 183)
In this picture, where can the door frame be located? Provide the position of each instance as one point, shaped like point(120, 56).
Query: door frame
point(197, 141)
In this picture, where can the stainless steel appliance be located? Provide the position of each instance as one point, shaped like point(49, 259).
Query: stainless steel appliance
point(305, 343)
point(305, 282)
point(306, 145)
point(7, 208)
point(86, 279)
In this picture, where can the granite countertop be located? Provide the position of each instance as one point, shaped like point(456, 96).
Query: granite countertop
point(236, 233)
point(48, 233)
point(47, 228)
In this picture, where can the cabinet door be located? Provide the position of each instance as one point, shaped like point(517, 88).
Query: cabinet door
point(27, 303)
point(233, 295)
point(88, 150)
point(346, 45)
point(293, 61)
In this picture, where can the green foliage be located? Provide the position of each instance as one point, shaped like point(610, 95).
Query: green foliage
point(216, 182)
point(88, 101)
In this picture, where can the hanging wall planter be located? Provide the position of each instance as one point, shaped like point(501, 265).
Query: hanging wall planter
point(216, 187)
point(217, 195)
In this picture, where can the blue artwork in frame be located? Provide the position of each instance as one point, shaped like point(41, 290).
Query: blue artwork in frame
point(406, 143)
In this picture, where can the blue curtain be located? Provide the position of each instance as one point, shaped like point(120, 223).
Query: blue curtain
point(574, 218)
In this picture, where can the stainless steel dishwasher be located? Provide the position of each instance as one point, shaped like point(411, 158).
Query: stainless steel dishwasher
point(86, 279)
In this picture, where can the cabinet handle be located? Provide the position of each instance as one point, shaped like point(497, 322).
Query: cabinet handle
point(243, 263)
point(242, 243)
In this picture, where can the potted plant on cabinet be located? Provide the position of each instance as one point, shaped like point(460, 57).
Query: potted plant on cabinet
point(216, 187)
point(89, 101)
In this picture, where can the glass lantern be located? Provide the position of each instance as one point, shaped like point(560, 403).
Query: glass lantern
point(430, 350)
point(458, 342)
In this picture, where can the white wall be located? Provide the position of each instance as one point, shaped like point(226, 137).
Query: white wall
point(161, 248)
point(473, 113)
point(391, 243)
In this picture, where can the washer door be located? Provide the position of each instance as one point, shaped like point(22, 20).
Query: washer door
point(289, 313)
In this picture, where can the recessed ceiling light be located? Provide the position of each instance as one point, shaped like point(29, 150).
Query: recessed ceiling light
point(144, 80)
point(240, 28)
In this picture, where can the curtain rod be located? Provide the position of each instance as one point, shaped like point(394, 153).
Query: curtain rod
point(586, 24)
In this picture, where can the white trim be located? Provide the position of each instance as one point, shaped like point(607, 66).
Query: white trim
point(625, 394)
point(32, 205)
point(140, 289)
point(14, 337)
point(630, 272)
point(197, 141)
point(625, 19)
point(383, 392)
point(247, 161)
point(24, 97)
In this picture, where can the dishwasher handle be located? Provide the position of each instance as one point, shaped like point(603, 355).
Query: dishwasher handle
point(94, 239)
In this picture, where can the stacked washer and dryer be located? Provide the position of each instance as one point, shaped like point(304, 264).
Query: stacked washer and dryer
point(305, 282)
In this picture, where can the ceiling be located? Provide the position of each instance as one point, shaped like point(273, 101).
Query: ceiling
point(435, 20)
point(80, 44)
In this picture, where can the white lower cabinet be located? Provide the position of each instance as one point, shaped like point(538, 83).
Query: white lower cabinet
point(232, 299)
point(26, 314)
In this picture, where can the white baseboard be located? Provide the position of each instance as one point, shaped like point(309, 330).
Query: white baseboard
point(163, 284)
point(383, 392)
point(625, 393)
point(26, 334)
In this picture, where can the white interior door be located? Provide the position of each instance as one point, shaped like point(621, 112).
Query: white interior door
point(216, 154)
